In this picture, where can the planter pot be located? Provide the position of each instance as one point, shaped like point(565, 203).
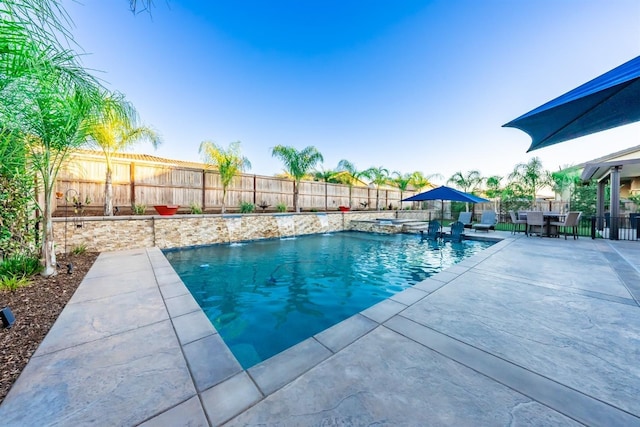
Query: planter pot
point(166, 209)
point(344, 208)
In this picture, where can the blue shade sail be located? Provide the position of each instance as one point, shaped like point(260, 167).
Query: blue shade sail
point(608, 101)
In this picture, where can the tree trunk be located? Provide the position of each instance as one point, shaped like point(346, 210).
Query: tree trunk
point(224, 196)
point(108, 194)
point(48, 244)
point(295, 197)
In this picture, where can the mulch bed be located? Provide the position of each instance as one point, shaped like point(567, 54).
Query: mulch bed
point(35, 308)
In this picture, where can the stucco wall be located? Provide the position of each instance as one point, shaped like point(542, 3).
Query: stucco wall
point(102, 234)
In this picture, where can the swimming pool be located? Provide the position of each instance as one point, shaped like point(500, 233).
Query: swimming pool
point(266, 296)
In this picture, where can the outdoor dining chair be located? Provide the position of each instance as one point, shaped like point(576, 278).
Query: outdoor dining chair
point(535, 219)
point(517, 223)
point(570, 222)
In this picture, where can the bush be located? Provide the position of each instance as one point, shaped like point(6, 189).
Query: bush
point(246, 207)
point(281, 207)
point(79, 250)
point(19, 266)
point(138, 209)
point(13, 282)
point(195, 208)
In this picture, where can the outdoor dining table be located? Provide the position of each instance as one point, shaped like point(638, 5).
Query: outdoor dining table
point(548, 218)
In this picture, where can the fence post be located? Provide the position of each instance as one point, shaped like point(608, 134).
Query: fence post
point(593, 227)
point(204, 189)
point(132, 180)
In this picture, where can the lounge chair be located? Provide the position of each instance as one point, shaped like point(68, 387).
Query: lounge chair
point(465, 219)
point(517, 222)
point(487, 222)
point(434, 231)
point(457, 232)
point(571, 221)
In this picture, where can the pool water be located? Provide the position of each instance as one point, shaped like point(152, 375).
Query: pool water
point(266, 296)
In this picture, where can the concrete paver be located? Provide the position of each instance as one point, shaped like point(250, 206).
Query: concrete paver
point(529, 332)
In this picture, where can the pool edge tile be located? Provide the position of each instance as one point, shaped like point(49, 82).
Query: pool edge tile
point(279, 370)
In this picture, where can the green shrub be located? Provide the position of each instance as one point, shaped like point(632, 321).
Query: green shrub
point(11, 283)
point(246, 207)
point(195, 208)
point(138, 209)
point(79, 250)
point(281, 207)
point(19, 266)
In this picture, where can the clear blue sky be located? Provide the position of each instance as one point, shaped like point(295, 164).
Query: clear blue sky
point(408, 85)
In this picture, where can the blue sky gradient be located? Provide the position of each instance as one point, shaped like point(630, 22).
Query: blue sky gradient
point(409, 85)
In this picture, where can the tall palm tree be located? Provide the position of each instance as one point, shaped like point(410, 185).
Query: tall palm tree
point(530, 176)
point(297, 164)
point(349, 174)
point(420, 180)
point(45, 96)
point(565, 180)
point(378, 176)
point(402, 182)
point(466, 182)
point(229, 162)
point(112, 129)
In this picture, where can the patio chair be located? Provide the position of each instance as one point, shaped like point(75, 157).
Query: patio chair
point(570, 221)
point(535, 219)
point(487, 221)
point(457, 232)
point(465, 219)
point(517, 222)
point(434, 231)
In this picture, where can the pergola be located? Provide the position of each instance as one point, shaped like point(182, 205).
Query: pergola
point(614, 172)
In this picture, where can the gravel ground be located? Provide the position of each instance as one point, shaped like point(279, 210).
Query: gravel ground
point(36, 307)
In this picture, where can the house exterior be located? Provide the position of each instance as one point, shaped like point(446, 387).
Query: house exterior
point(622, 171)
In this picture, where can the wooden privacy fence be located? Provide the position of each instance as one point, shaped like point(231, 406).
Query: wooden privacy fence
point(139, 181)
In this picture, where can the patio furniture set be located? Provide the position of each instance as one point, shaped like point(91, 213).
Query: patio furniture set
point(549, 224)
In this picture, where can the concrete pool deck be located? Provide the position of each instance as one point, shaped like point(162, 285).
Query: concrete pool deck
point(529, 332)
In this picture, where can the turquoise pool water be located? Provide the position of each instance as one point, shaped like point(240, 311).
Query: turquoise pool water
point(266, 296)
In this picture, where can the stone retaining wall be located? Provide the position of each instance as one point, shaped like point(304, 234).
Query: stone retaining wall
point(102, 234)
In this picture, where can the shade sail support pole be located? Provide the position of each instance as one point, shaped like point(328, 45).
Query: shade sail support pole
point(614, 206)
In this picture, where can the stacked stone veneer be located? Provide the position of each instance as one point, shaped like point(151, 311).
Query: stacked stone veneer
point(101, 234)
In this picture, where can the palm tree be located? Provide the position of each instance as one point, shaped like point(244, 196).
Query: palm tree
point(297, 164)
point(349, 174)
point(466, 182)
point(324, 175)
point(565, 180)
point(45, 96)
point(228, 162)
point(113, 129)
point(402, 182)
point(378, 176)
point(530, 177)
point(493, 186)
point(420, 181)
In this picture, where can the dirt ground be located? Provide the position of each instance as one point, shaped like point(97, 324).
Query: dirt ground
point(35, 308)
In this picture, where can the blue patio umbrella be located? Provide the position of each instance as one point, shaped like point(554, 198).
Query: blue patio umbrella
point(610, 100)
point(445, 193)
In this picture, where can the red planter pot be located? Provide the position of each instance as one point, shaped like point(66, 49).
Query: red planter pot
point(344, 208)
point(166, 209)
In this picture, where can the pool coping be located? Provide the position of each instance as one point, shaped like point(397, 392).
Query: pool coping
point(249, 386)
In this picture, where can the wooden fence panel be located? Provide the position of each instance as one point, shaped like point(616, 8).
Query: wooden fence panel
point(151, 183)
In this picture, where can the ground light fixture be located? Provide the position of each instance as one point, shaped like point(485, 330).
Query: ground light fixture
point(7, 317)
